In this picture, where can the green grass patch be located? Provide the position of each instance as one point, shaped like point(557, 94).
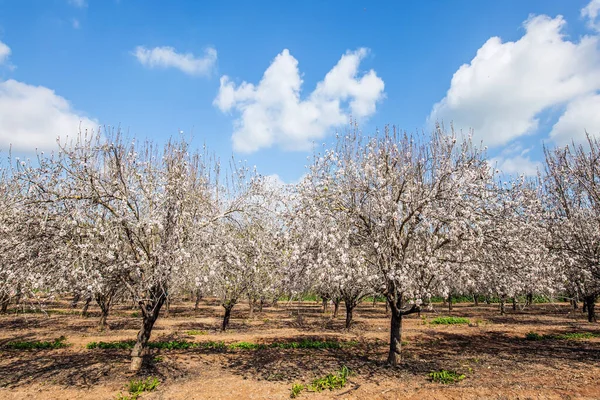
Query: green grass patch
point(534, 336)
point(445, 377)
point(333, 381)
point(297, 388)
point(449, 321)
point(137, 387)
point(37, 345)
point(171, 345)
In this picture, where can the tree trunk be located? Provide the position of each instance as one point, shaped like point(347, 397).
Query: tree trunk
point(18, 295)
point(198, 297)
point(574, 304)
point(325, 305)
point(514, 301)
point(104, 302)
point(349, 309)
point(449, 302)
point(226, 317)
point(585, 305)
point(476, 299)
point(150, 312)
point(374, 301)
point(591, 306)
point(394, 355)
point(251, 307)
point(4, 301)
point(261, 303)
point(529, 300)
point(336, 308)
point(75, 300)
point(502, 304)
point(84, 310)
point(487, 300)
point(167, 306)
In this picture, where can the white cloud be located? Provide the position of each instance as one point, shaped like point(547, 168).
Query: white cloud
point(167, 57)
point(591, 12)
point(502, 91)
point(32, 117)
point(581, 115)
point(4, 53)
point(516, 165)
point(78, 3)
point(272, 112)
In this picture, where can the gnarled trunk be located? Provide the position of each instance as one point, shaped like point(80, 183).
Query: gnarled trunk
point(226, 316)
point(86, 306)
point(19, 294)
point(198, 297)
point(502, 304)
point(75, 300)
point(4, 301)
point(395, 355)
point(150, 311)
point(590, 301)
point(336, 307)
point(476, 299)
point(104, 302)
point(251, 307)
point(349, 309)
point(167, 306)
point(514, 302)
point(449, 300)
point(398, 312)
point(529, 299)
point(325, 300)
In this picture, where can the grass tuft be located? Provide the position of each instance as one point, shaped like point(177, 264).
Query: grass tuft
point(445, 377)
point(449, 321)
point(137, 387)
point(37, 345)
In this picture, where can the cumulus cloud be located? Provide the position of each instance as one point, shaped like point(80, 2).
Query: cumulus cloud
point(4, 53)
point(273, 113)
point(591, 12)
point(32, 117)
point(581, 115)
point(168, 57)
point(505, 87)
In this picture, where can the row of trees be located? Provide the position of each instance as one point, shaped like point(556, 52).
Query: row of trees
point(402, 216)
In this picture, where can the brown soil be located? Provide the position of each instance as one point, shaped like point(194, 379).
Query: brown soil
point(492, 352)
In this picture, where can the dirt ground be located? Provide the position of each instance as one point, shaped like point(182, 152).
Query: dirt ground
point(491, 352)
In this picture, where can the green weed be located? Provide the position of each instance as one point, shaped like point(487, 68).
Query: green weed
point(37, 345)
point(562, 336)
point(449, 321)
point(137, 387)
point(445, 377)
point(331, 381)
point(296, 389)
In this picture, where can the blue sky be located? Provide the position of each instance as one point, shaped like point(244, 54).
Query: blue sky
point(156, 67)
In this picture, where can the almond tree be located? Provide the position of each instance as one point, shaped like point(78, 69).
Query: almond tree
point(327, 252)
point(572, 189)
point(245, 251)
point(156, 202)
point(409, 199)
point(514, 257)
